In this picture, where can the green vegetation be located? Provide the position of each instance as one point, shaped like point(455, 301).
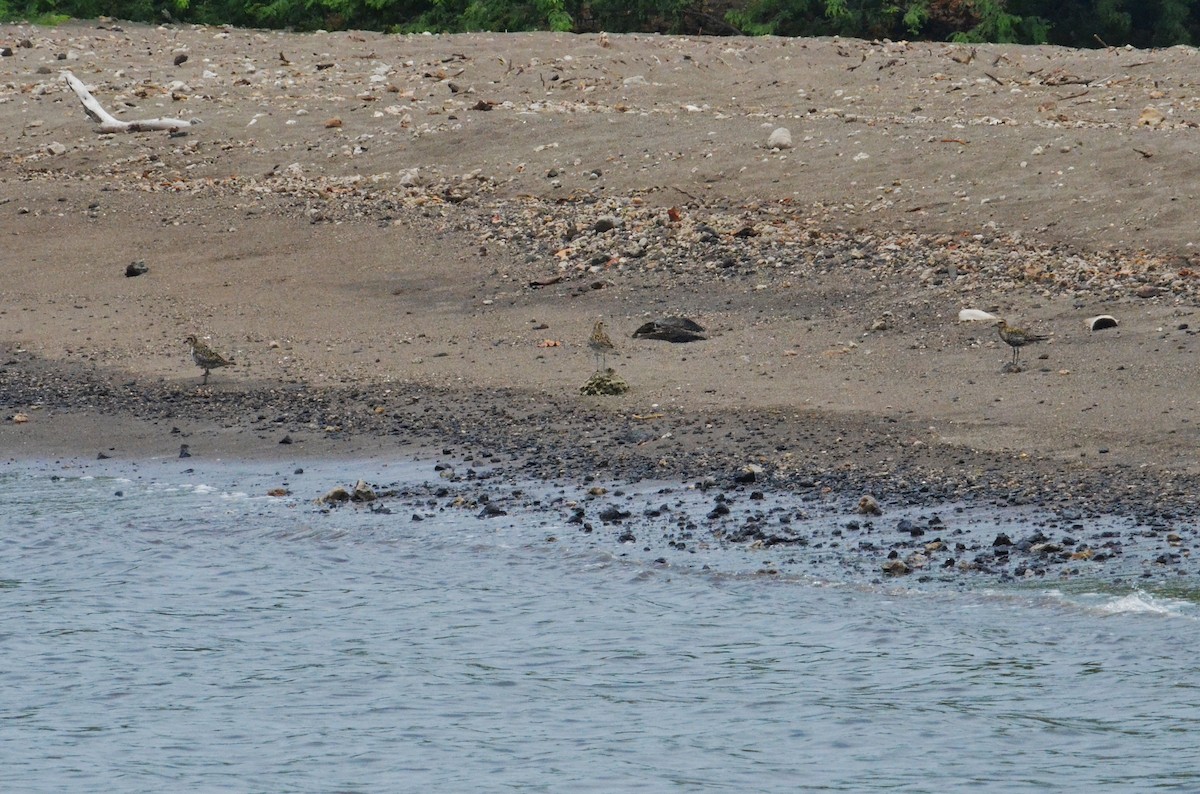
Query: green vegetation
point(1078, 23)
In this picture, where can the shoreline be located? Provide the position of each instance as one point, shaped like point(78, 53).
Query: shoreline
point(532, 435)
point(743, 521)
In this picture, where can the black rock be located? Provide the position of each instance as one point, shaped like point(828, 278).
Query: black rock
point(1002, 540)
point(671, 329)
point(613, 514)
point(136, 269)
point(491, 511)
point(721, 509)
point(183, 451)
point(627, 537)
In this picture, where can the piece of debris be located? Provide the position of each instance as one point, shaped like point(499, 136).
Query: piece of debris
point(1101, 321)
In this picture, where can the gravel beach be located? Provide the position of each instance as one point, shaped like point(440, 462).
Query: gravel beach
point(404, 243)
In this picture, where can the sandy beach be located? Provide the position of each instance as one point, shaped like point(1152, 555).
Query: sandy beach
point(403, 242)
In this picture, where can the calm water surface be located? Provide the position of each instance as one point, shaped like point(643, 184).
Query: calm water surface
point(194, 634)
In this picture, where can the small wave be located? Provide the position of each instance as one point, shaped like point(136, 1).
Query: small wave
point(1140, 603)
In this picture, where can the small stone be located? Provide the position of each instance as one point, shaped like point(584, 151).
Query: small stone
point(336, 496)
point(181, 59)
point(780, 138)
point(136, 268)
point(869, 506)
point(895, 567)
point(720, 510)
point(1151, 117)
point(614, 514)
point(606, 224)
point(5, 52)
point(362, 493)
point(56, 148)
point(183, 451)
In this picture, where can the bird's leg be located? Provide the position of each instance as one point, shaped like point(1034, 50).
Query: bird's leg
point(205, 381)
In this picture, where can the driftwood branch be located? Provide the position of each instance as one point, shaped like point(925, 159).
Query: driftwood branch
point(109, 123)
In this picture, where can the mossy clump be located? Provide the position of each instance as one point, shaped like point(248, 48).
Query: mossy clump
point(604, 383)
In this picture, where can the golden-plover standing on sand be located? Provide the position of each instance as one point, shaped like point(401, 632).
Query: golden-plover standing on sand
point(1017, 338)
point(600, 344)
point(205, 357)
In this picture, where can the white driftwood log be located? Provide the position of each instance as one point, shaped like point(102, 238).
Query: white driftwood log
point(109, 123)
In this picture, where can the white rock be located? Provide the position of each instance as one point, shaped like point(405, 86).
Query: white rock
point(56, 148)
point(780, 138)
point(410, 177)
point(968, 315)
point(1101, 321)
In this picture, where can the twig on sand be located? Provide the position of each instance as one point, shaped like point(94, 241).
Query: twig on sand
point(109, 123)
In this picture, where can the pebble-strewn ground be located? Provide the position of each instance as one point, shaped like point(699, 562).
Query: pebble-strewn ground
point(404, 242)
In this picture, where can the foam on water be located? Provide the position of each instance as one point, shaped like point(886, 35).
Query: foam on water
point(1145, 604)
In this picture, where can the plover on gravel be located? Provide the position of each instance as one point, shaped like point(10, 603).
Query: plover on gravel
point(205, 357)
point(1017, 338)
point(600, 344)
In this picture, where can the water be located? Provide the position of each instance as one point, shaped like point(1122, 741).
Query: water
point(195, 634)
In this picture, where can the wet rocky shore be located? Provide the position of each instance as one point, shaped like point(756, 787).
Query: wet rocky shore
point(834, 497)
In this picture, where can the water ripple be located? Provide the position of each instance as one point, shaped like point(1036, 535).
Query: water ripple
point(190, 635)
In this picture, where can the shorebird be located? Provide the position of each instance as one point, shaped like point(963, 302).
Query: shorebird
point(600, 344)
point(1017, 338)
point(205, 357)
